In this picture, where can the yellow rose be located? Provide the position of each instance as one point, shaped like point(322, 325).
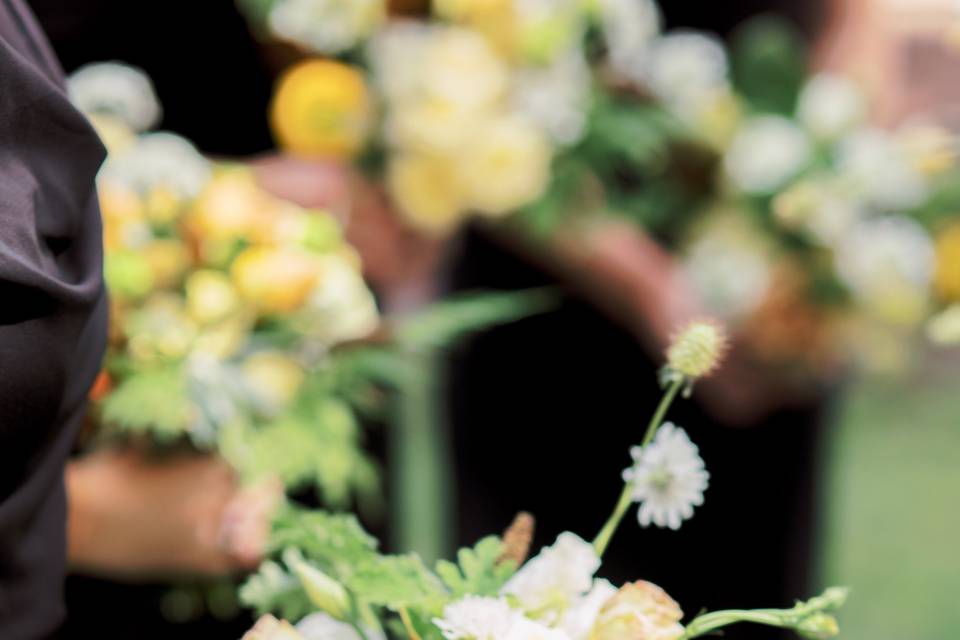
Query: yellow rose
point(321, 108)
point(211, 296)
point(168, 260)
point(275, 280)
point(947, 275)
point(427, 190)
point(229, 207)
point(506, 166)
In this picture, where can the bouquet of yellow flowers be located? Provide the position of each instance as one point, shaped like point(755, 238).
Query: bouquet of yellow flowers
point(227, 304)
point(331, 580)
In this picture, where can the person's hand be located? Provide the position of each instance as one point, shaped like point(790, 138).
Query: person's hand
point(134, 517)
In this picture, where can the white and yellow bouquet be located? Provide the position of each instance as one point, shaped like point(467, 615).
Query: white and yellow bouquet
point(227, 305)
point(332, 582)
point(797, 220)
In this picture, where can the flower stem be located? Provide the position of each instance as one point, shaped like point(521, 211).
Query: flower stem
point(408, 624)
point(603, 538)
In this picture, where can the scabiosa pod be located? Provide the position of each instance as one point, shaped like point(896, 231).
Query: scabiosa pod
point(694, 352)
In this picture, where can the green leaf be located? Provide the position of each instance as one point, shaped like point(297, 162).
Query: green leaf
point(447, 321)
point(479, 571)
point(399, 582)
point(769, 61)
point(273, 589)
point(153, 401)
point(334, 542)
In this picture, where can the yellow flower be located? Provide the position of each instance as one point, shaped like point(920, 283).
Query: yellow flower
point(275, 280)
point(168, 260)
point(639, 611)
point(506, 166)
point(229, 207)
point(114, 133)
point(211, 296)
point(163, 205)
point(697, 350)
point(432, 125)
point(947, 274)
point(274, 376)
point(427, 190)
point(321, 108)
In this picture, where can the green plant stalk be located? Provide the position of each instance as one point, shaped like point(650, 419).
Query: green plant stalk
point(420, 461)
point(785, 618)
point(603, 538)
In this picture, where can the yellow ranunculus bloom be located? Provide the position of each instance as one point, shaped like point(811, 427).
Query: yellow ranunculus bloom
point(506, 166)
point(947, 275)
point(321, 108)
point(427, 190)
point(211, 296)
point(230, 206)
point(168, 260)
point(275, 280)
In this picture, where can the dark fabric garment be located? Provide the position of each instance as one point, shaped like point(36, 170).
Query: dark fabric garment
point(52, 317)
point(543, 414)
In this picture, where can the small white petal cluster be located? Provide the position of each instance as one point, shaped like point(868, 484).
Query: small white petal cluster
point(683, 67)
point(485, 618)
point(830, 105)
point(160, 160)
point(879, 169)
point(579, 620)
point(321, 626)
point(766, 152)
point(326, 26)
point(118, 90)
point(667, 478)
point(884, 257)
point(629, 26)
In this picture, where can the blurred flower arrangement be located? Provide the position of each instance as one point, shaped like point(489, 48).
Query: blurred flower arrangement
point(794, 217)
point(226, 305)
point(333, 582)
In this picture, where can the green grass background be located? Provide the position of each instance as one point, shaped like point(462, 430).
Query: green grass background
point(893, 517)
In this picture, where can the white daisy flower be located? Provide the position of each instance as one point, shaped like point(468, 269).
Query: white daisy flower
point(115, 89)
point(160, 160)
point(326, 26)
point(830, 105)
point(766, 153)
point(668, 478)
point(556, 578)
point(477, 618)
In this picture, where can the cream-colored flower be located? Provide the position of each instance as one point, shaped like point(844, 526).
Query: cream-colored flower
point(578, 621)
point(506, 166)
point(642, 611)
point(340, 306)
point(432, 126)
point(477, 618)
point(397, 53)
point(766, 153)
point(321, 626)
point(428, 190)
point(944, 327)
point(879, 170)
point(118, 90)
point(211, 296)
point(556, 579)
point(684, 66)
point(667, 478)
point(629, 28)
point(830, 105)
point(888, 264)
point(159, 160)
point(555, 96)
point(326, 26)
point(273, 378)
point(460, 68)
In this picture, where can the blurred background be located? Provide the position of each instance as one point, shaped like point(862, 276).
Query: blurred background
point(845, 474)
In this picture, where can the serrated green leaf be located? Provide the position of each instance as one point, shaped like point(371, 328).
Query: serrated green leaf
point(153, 401)
point(399, 582)
point(479, 571)
point(273, 589)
